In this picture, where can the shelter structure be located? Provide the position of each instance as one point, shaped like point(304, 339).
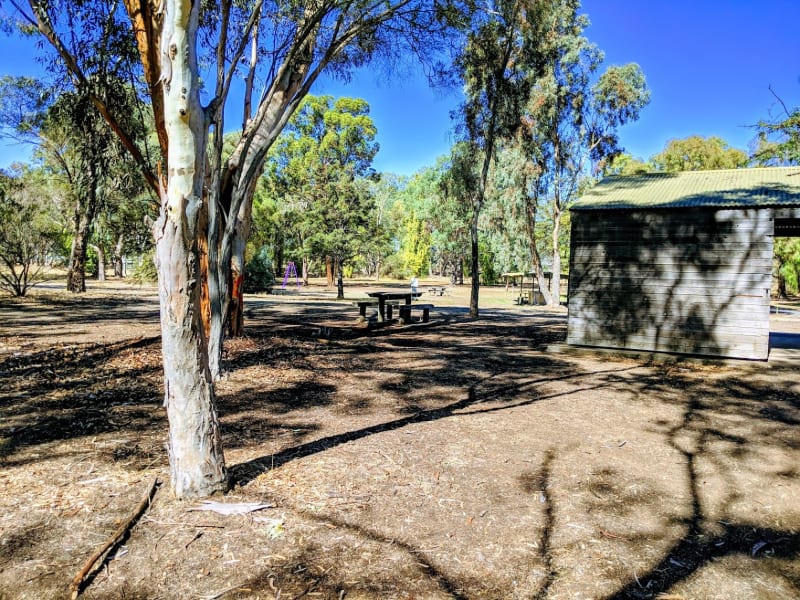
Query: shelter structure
point(680, 262)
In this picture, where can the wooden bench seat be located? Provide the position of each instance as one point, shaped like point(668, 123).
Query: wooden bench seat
point(366, 302)
point(405, 312)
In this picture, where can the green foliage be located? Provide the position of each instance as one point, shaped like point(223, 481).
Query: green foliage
point(317, 182)
point(564, 130)
point(260, 276)
point(617, 98)
point(625, 164)
point(28, 232)
point(697, 153)
point(488, 262)
point(416, 248)
point(787, 265)
point(145, 272)
point(450, 213)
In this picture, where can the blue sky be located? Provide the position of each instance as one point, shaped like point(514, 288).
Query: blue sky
point(709, 65)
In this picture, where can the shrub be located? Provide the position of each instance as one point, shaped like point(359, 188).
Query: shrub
point(259, 276)
point(145, 271)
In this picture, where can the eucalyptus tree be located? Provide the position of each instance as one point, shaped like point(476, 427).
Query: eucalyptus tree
point(417, 201)
point(626, 164)
point(295, 43)
point(778, 140)
point(496, 72)
point(82, 148)
point(450, 217)
point(72, 140)
point(388, 222)
point(569, 126)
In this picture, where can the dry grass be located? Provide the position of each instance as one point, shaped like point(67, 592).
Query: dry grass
point(456, 460)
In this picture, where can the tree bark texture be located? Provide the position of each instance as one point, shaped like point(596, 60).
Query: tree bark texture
point(238, 274)
point(82, 224)
point(197, 465)
point(76, 276)
point(119, 267)
point(329, 271)
point(530, 228)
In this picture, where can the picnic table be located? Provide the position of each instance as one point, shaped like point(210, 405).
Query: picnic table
point(386, 301)
point(401, 298)
point(437, 291)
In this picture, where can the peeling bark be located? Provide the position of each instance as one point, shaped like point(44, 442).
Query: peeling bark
point(197, 464)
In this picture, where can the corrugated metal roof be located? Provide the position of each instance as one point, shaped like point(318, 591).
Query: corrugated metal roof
point(729, 188)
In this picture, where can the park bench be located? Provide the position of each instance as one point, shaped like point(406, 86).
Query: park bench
point(405, 312)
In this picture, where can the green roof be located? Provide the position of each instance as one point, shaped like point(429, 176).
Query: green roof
point(730, 188)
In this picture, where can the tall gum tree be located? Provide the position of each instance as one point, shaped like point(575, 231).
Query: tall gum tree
point(195, 448)
point(565, 132)
point(308, 39)
point(496, 69)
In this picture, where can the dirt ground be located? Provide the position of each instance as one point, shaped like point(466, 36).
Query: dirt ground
point(455, 459)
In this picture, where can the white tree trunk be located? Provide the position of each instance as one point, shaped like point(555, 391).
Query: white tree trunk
point(197, 464)
point(101, 261)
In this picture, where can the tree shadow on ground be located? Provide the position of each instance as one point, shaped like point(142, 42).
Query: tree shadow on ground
point(81, 391)
point(713, 533)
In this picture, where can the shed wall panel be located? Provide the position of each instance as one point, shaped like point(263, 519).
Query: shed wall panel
point(691, 281)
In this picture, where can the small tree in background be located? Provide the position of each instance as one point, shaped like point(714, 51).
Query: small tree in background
point(28, 233)
point(696, 153)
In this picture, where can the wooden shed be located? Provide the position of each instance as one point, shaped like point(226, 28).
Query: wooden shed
point(680, 262)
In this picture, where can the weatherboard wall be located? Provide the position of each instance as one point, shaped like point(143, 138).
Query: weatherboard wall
point(694, 280)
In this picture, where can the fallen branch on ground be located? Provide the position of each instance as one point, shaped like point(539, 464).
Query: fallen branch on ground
point(75, 586)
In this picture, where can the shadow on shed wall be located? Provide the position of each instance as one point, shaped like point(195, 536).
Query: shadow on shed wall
point(694, 280)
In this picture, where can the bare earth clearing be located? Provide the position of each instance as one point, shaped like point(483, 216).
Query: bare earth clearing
point(460, 459)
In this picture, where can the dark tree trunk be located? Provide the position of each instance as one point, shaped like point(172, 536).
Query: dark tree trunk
point(236, 309)
point(474, 266)
point(782, 286)
point(339, 280)
point(85, 209)
point(277, 262)
point(76, 276)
